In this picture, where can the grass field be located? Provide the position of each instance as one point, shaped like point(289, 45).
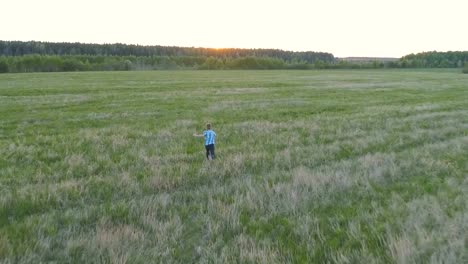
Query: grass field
point(312, 167)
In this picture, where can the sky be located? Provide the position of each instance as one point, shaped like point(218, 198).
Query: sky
point(345, 28)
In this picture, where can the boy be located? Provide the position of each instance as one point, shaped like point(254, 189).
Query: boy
point(210, 137)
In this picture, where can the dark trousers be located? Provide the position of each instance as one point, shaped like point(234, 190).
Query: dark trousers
point(210, 151)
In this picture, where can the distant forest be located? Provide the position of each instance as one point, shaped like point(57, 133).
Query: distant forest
point(434, 59)
point(33, 56)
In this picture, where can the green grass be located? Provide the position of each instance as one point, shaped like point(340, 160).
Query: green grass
point(312, 167)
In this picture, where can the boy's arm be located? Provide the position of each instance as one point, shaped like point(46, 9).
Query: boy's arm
point(198, 135)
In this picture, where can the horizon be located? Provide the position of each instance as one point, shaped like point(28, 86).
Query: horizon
point(153, 45)
point(360, 28)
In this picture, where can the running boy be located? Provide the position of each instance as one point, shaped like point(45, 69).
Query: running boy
point(210, 137)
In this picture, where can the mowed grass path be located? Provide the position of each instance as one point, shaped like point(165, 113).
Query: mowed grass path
point(312, 167)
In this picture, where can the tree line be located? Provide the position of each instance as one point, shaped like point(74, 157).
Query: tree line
point(61, 63)
point(33, 56)
point(20, 48)
point(434, 59)
point(56, 63)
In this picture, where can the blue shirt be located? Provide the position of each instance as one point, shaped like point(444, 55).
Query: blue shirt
point(210, 137)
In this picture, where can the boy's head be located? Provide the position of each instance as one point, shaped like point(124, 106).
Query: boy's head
point(208, 126)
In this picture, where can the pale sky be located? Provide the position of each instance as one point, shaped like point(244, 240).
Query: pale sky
point(379, 28)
